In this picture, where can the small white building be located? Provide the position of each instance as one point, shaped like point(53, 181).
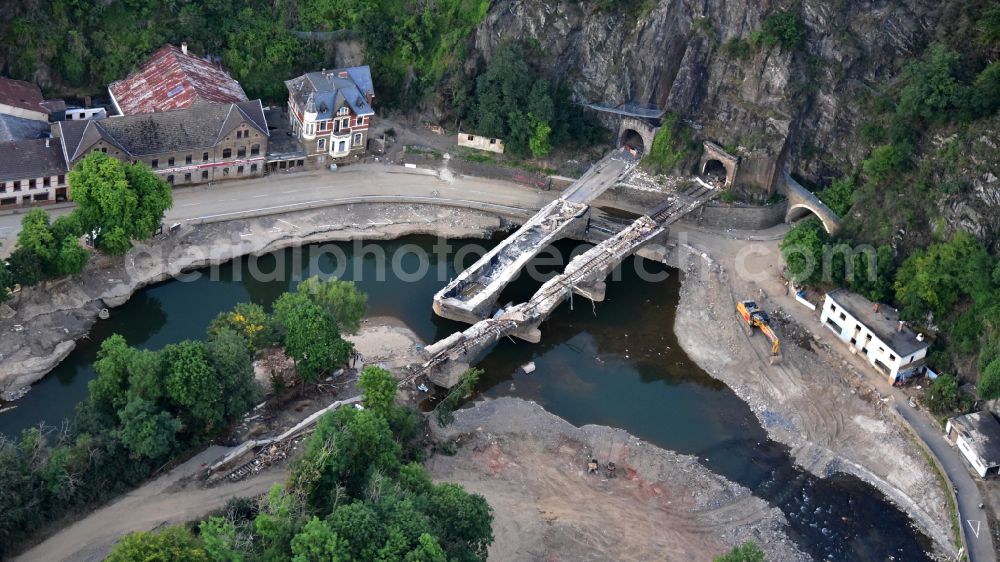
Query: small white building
point(875, 332)
point(977, 435)
point(480, 143)
point(82, 113)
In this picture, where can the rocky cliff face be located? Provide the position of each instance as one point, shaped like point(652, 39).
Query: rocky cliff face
point(794, 110)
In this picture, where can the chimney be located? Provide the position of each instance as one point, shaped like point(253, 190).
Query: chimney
point(920, 337)
point(184, 48)
point(47, 142)
point(342, 74)
point(899, 327)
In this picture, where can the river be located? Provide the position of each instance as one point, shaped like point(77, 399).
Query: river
point(615, 364)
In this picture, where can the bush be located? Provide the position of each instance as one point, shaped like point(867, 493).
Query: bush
point(781, 28)
point(942, 395)
point(673, 147)
point(989, 381)
point(746, 552)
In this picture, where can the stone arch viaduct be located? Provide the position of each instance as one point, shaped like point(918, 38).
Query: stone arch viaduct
point(801, 202)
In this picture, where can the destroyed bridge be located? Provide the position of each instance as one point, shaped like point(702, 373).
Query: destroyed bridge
point(472, 296)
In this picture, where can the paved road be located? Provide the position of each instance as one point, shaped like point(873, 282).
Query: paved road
point(972, 518)
point(280, 192)
point(162, 501)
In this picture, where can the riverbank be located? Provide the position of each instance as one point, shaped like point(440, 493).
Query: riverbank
point(531, 466)
point(831, 420)
point(47, 319)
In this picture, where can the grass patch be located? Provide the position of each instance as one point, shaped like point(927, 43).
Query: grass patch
point(423, 151)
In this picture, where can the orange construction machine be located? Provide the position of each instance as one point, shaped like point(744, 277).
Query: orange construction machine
point(755, 317)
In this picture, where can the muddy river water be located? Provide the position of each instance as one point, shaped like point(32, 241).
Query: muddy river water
point(616, 364)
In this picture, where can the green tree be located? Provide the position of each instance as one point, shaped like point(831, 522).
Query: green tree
point(147, 431)
point(427, 550)
point(463, 522)
point(802, 250)
point(781, 28)
point(942, 395)
point(218, 537)
point(746, 552)
point(539, 142)
point(239, 390)
point(249, 321)
point(989, 381)
point(317, 542)
point(116, 202)
point(173, 544)
point(25, 267)
point(885, 161)
point(936, 279)
point(378, 389)
point(55, 245)
point(36, 235)
point(341, 299)
point(310, 335)
point(839, 196)
point(109, 390)
point(934, 89)
point(193, 386)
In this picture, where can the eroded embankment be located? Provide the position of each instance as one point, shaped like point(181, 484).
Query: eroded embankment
point(804, 401)
point(48, 318)
point(531, 466)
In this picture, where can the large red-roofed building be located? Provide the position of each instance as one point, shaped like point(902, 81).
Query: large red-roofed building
point(173, 79)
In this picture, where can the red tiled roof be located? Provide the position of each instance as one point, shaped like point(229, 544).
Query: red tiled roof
point(172, 80)
point(24, 95)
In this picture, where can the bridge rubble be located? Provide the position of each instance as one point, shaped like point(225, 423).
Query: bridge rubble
point(584, 275)
point(472, 296)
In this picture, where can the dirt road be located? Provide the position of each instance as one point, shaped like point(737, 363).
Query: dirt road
point(531, 466)
point(166, 500)
point(829, 416)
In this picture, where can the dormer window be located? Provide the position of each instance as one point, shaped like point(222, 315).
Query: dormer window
point(342, 111)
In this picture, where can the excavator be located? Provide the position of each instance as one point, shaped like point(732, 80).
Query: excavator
point(755, 317)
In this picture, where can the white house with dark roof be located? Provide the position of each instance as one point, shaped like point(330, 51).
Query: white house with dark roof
point(977, 436)
point(876, 332)
point(330, 112)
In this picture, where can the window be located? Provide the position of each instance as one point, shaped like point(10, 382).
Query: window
point(225, 171)
point(241, 152)
point(170, 161)
point(336, 126)
point(154, 164)
point(17, 185)
point(346, 123)
point(471, 137)
point(187, 178)
point(69, 116)
point(239, 170)
point(493, 141)
point(104, 149)
point(291, 163)
point(843, 316)
point(170, 179)
point(46, 181)
point(204, 174)
point(31, 184)
point(204, 157)
point(282, 164)
point(342, 147)
point(227, 153)
point(3, 187)
point(357, 139)
point(255, 150)
point(239, 134)
point(253, 168)
point(187, 159)
point(62, 180)
point(309, 129)
point(357, 122)
point(321, 144)
point(833, 307)
point(299, 162)
point(892, 357)
point(342, 110)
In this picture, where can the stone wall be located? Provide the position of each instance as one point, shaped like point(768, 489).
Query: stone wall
point(739, 217)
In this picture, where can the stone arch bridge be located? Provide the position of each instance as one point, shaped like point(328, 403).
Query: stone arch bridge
point(801, 202)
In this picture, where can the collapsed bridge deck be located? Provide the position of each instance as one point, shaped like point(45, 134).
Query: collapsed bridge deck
point(472, 295)
point(584, 275)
